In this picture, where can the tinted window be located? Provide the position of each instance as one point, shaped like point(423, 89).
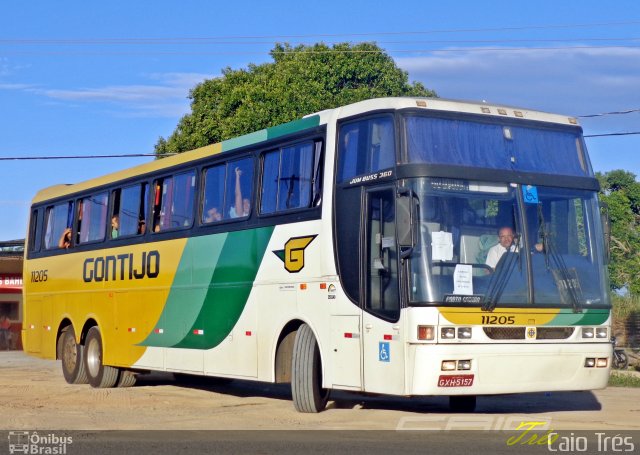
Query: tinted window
point(92, 218)
point(213, 201)
point(239, 188)
point(287, 176)
point(173, 207)
point(129, 209)
point(522, 148)
point(59, 218)
point(365, 146)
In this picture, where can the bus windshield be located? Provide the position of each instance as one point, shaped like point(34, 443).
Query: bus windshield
point(500, 244)
point(496, 146)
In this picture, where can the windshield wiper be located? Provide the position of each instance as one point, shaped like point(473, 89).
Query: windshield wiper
point(501, 276)
point(566, 280)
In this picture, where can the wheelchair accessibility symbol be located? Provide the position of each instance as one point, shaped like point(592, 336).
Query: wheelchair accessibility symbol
point(530, 194)
point(383, 351)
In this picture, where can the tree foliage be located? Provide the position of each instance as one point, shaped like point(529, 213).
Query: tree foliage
point(621, 192)
point(300, 80)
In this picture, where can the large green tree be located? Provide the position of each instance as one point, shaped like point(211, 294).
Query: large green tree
point(621, 192)
point(300, 80)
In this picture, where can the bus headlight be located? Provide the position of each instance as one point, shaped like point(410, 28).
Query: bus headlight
point(602, 332)
point(448, 333)
point(589, 362)
point(448, 365)
point(587, 332)
point(464, 333)
point(464, 364)
point(602, 362)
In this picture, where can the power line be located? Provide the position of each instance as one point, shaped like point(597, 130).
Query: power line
point(79, 157)
point(213, 41)
point(314, 35)
point(630, 111)
point(629, 133)
point(137, 155)
point(332, 51)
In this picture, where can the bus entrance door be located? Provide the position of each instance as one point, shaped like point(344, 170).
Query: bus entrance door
point(383, 350)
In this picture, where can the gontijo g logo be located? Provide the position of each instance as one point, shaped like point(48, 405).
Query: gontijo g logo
point(293, 253)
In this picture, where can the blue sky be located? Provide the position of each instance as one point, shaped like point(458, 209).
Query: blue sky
point(111, 78)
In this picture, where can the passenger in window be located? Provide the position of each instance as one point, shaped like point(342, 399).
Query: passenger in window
point(506, 236)
point(115, 226)
point(213, 214)
point(65, 239)
point(242, 206)
point(142, 227)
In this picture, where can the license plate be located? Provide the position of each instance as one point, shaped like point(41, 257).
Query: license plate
point(456, 380)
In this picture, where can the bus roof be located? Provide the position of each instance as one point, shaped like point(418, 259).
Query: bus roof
point(309, 121)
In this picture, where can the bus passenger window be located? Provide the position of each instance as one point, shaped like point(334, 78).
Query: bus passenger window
point(92, 218)
point(287, 174)
point(213, 200)
point(239, 188)
point(173, 204)
point(129, 211)
point(58, 226)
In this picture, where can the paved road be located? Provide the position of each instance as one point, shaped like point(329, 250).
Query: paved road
point(34, 395)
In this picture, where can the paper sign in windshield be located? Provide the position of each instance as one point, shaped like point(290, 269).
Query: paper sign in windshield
point(463, 279)
point(442, 246)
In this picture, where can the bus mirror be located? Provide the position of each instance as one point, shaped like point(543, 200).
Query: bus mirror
point(406, 217)
point(606, 229)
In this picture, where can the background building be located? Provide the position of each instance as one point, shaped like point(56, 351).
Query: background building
point(11, 253)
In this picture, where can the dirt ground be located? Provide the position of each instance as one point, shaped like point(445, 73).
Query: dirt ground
point(33, 394)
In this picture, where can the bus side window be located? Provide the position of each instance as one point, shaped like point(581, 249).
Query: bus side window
point(239, 188)
point(213, 200)
point(173, 203)
point(366, 146)
point(34, 231)
point(58, 226)
point(92, 218)
point(287, 174)
point(129, 209)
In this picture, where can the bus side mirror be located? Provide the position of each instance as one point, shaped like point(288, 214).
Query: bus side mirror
point(407, 220)
point(606, 229)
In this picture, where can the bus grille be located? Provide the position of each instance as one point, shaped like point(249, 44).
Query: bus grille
point(554, 333)
point(505, 333)
point(518, 333)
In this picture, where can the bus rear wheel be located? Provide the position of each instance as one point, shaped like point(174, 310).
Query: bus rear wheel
point(462, 403)
point(306, 368)
point(126, 379)
point(100, 376)
point(70, 354)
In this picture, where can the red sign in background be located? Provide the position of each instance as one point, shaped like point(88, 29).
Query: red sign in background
point(10, 283)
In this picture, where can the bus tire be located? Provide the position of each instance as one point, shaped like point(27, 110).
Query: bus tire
point(100, 376)
point(306, 368)
point(70, 354)
point(126, 379)
point(462, 403)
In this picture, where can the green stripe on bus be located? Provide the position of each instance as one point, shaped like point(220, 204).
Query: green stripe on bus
point(293, 127)
point(242, 141)
point(231, 285)
point(587, 317)
point(188, 290)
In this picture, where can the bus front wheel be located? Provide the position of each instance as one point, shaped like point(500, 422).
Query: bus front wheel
point(306, 368)
point(70, 354)
point(100, 376)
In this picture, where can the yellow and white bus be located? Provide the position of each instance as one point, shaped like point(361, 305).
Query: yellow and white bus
point(346, 250)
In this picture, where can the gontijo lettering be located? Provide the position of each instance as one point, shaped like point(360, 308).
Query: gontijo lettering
point(121, 267)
